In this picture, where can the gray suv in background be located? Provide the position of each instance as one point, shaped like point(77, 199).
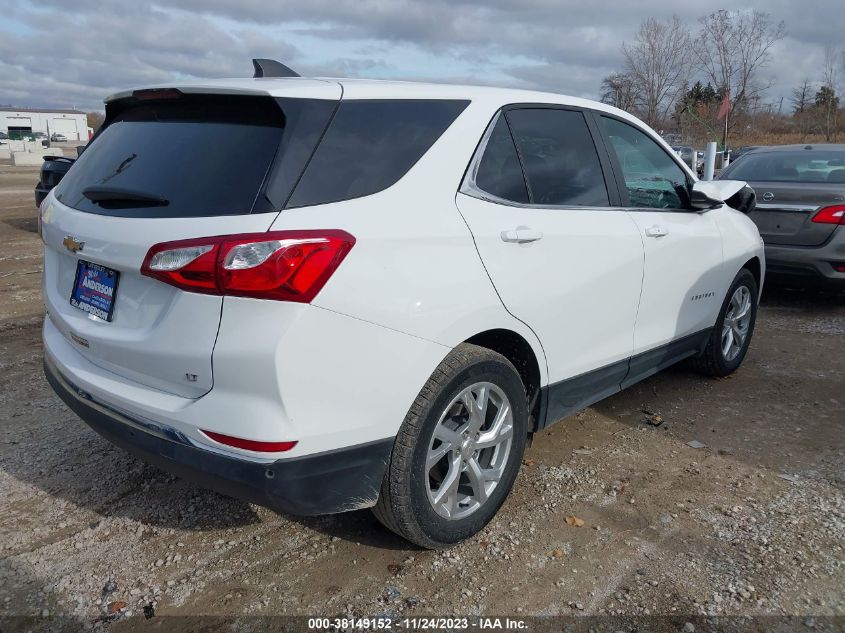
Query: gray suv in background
point(800, 210)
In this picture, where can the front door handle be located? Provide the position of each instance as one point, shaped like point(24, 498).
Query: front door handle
point(521, 235)
point(656, 231)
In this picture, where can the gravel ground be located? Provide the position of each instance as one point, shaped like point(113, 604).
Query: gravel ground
point(614, 511)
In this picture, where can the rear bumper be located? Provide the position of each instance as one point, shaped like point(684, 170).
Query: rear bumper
point(323, 483)
point(808, 266)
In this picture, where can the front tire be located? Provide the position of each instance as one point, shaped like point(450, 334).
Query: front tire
point(458, 451)
point(731, 336)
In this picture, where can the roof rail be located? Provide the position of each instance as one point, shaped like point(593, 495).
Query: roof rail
point(272, 68)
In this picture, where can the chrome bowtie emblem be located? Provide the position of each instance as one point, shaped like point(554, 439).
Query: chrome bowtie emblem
point(768, 196)
point(72, 244)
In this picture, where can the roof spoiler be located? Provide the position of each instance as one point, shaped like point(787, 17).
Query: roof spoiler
point(272, 68)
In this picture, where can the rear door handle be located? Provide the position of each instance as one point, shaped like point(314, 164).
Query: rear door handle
point(521, 235)
point(656, 231)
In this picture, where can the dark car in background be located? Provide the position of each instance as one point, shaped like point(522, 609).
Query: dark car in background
point(800, 210)
point(742, 151)
point(53, 170)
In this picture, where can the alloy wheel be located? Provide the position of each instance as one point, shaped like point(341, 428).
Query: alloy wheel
point(736, 323)
point(469, 450)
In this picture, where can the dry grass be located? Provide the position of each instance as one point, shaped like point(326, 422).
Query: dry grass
point(775, 138)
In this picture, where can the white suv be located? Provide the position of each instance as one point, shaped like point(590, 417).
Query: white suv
point(323, 295)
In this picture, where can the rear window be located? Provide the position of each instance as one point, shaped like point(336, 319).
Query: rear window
point(499, 172)
point(559, 156)
point(197, 155)
point(370, 145)
point(789, 166)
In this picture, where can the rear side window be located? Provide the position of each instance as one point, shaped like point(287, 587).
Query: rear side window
point(196, 155)
point(559, 157)
point(370, 145)
point(499, 172)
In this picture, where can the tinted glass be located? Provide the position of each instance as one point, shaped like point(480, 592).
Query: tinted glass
point(789, 166)
point(652, 178)
point(305, 122)
point(560, 159)
point(370, 145)
point(499, 172)
point(204, 155)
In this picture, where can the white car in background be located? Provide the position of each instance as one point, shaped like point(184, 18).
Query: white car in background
point(322, 295)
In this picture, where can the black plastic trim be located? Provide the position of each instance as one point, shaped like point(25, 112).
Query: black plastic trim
point(569, 396)
point(323, 483)
point(649, 363)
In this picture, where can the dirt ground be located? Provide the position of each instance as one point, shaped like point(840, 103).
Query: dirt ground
point(751, 524)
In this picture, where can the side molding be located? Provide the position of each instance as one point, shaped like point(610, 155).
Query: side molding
point(569, 396)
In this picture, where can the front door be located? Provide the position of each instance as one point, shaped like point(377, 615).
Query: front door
point(682, 284)
point(562, 258)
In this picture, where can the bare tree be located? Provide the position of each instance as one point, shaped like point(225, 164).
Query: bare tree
point(802, 97)
point(830, 85)
point(732, 48)
point(658, 61)
point(621, 90)
point(802, 106)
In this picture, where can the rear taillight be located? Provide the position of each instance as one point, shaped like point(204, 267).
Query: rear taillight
point(830, 215)
point(280, 265)
point(250, 445)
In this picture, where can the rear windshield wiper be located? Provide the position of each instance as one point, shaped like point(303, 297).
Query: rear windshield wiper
point(109, 196)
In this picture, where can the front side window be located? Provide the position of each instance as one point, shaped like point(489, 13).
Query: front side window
point(559, 157)
point(652, 178)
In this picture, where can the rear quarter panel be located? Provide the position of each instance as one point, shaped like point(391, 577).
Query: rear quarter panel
point(414, 267)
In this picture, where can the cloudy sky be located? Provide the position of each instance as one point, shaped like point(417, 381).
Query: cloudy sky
point(72, 53)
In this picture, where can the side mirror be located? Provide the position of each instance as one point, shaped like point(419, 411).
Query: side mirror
point(710, 194)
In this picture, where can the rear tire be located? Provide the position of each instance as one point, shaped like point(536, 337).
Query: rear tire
point(736, 320)
point(451, 469)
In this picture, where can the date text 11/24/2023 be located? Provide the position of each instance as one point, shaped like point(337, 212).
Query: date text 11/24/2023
point(417, 623)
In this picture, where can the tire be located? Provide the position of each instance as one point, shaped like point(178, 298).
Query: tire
point(714, 361)
point(406, 504)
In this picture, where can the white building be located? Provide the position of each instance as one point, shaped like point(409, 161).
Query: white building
point(23, 122)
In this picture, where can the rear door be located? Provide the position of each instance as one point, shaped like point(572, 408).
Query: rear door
point(167, 166)
point(683, 283)
point(561, 258)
